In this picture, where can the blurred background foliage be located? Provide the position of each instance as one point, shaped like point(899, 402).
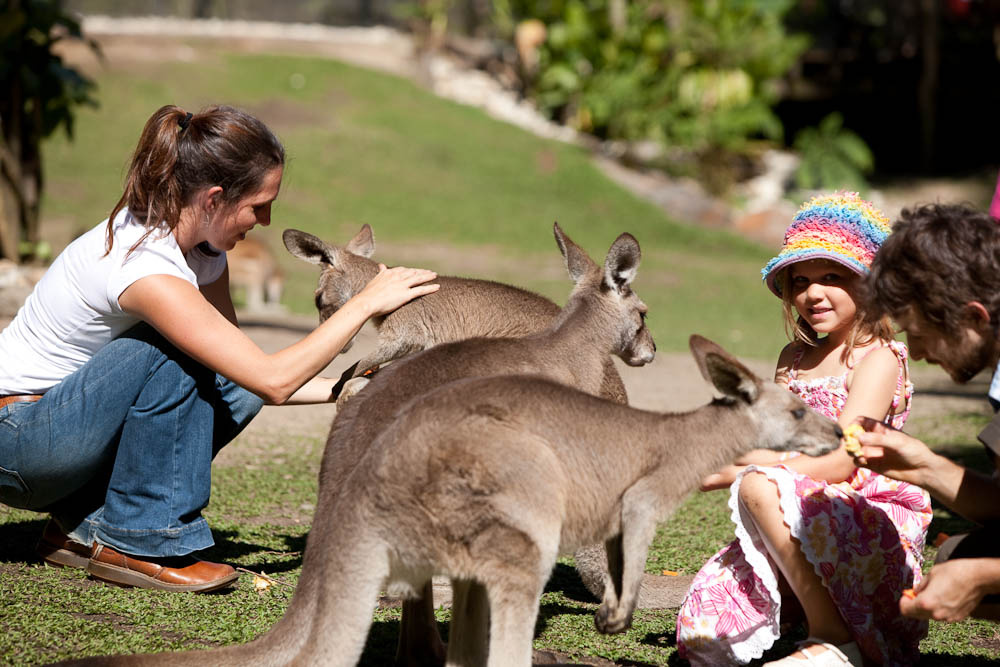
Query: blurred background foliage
point(858, 90)
point(711, 83)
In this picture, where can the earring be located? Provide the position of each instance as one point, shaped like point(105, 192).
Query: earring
point(207, 221)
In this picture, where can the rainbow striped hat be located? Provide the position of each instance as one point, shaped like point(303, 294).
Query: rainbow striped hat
point(840, 227)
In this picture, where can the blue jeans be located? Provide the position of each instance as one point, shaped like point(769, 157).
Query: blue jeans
point(120, 451)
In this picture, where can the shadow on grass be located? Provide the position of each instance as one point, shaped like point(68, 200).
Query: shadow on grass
point(18, 540)
point(565, 580)
point(230, 546)
point(380, 647)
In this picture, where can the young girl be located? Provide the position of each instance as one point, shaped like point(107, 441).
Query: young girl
point(842, 541)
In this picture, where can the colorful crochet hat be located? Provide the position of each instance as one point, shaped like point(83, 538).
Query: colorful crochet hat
point(840, 227)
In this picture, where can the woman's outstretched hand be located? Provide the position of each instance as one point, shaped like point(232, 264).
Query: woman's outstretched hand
point(391, 288)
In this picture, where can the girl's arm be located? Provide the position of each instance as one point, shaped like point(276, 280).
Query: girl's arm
point(188, 320)
point(870, 394)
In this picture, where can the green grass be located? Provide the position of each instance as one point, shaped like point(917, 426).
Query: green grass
point(365, 147)
point(260, 516)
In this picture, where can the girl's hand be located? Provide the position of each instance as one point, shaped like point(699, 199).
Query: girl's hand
point(391, 288)
point(725, 477)
point(893, 453)
point(722, 479)
point(951, 590)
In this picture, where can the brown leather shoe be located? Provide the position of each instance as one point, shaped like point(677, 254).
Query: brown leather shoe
point(182, 573)
point(55, 548)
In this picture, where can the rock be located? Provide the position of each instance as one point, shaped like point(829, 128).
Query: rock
point(766, 225)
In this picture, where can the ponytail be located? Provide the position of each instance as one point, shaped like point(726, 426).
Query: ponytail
point(181, 153)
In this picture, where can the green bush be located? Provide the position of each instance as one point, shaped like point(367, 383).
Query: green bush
point(699, 75)
point(832, 157)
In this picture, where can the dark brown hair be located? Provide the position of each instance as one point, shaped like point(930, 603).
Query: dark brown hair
point(179, 154)
point(938, 258)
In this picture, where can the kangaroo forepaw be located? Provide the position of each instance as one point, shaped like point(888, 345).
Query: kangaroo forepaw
point(351, 387)
point(612, 620)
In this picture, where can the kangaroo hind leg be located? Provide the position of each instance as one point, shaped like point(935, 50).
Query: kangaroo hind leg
point(513, 568)
point(419, 642)
point(470, 624)
point(343, 607)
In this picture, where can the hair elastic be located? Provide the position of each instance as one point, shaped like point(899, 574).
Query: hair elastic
point(185, 121)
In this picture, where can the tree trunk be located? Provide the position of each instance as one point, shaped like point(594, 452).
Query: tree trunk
point(8, 221)
point(617, 17)
point(11, 193)
point(927, 92)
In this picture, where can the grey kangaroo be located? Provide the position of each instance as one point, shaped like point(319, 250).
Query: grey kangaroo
point(602, 316)
point(487, 480)
point(462, 308)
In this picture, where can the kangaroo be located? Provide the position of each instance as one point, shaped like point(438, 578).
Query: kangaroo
point(488, 480)
point(602, 316)
point(462, 308)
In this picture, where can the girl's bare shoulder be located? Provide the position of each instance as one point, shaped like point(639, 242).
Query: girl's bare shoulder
point(786, 360)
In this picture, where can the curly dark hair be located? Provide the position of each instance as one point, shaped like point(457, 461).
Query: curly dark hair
point(938, 258)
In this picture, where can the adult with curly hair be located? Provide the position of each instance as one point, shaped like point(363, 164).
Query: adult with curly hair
point(125, 371)
point(937, 276)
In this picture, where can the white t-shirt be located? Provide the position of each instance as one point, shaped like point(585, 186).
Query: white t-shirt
point(73, 310)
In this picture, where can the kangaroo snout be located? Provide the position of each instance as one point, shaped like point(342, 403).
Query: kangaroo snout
point(820, 447)
point(641, 358)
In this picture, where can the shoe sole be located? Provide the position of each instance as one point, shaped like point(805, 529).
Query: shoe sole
point(62, 557)
point(130, 578)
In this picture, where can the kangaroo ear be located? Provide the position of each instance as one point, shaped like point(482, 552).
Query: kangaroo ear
point(622, 263)
point(724, 371)
point(308, 247)
point(363, 243)
point(577, 262)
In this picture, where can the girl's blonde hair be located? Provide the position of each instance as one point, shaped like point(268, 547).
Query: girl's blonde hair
point(864, 331)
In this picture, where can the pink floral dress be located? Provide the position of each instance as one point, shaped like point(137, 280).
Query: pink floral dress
point(864, 537)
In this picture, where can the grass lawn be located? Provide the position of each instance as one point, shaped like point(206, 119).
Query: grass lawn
point(425, 174)
point(260, 516)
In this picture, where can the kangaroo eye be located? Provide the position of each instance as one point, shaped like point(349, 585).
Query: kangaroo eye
point(799, 413)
